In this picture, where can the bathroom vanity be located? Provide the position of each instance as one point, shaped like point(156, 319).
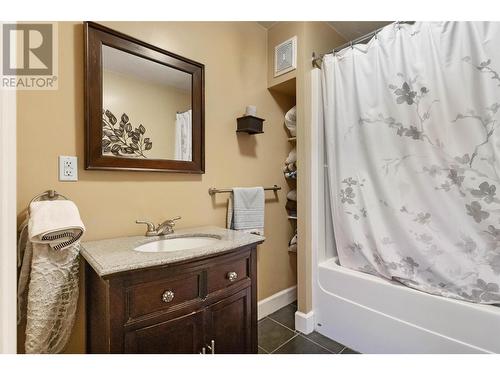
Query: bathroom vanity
point(164, 300)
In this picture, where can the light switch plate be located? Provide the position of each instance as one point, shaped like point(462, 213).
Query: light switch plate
point(68, 168)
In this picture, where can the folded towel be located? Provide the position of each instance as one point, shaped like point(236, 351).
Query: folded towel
point(49, 272)
point(55, 223)
point(229, 214)
point(246, 210)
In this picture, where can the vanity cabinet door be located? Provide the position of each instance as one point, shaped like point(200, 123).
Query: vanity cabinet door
point(183, 335)
point(229, 324)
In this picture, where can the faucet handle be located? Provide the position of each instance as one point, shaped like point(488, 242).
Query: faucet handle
point(151, 226)
point(170, 222)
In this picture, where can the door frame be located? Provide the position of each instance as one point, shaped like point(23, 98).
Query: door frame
point(8, 230)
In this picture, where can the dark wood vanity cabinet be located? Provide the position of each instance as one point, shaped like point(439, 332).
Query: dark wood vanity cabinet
point(202, 305)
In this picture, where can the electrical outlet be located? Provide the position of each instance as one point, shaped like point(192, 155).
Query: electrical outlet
point(68, 168)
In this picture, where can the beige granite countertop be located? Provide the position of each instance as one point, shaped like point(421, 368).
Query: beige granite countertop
point(117, 255)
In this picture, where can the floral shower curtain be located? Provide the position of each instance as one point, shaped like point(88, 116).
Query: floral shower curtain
point(412, 138)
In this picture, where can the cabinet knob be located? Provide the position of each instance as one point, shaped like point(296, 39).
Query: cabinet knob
point(232, 276)
point(167, 296)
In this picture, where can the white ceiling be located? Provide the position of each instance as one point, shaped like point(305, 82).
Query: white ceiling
point(354, 29)
point(125, 63)
point(267, 24)
point(349, 30)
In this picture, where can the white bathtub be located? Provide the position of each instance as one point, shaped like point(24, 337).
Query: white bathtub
point(372, 315)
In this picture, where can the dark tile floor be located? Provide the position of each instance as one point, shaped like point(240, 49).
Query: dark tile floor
point(277, 335)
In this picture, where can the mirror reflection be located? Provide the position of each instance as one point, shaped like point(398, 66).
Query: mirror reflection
point(146, 109)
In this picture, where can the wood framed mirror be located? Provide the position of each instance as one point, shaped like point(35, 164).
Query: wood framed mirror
point(144, 106)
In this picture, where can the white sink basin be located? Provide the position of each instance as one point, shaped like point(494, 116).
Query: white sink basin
point(176, 244)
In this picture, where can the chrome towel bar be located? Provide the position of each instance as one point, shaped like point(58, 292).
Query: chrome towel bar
point(213, 191)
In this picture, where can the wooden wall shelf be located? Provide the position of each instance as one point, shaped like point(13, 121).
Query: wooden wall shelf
point(250, 124)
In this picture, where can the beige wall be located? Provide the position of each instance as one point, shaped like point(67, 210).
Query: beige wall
point(50, 123)
point(152, 105)
point(278, 33)
point(312, 37)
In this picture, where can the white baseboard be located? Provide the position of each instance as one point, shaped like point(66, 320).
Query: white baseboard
point(304, 322)
point(275, 302)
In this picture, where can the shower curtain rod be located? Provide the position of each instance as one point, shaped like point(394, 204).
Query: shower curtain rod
point(316, 61)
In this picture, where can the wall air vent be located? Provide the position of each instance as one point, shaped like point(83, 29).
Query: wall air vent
point(285, 56)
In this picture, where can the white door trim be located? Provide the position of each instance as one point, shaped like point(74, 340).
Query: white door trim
point(8, 230)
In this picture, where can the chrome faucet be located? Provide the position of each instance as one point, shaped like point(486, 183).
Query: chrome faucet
point(167, 227)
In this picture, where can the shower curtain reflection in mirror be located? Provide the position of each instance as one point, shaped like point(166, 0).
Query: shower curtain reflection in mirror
point(183, 136)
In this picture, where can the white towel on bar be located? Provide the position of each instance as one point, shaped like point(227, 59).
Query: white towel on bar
point(50, 273)
point(246, 210)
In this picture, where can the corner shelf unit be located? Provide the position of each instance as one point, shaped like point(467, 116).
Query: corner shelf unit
point(286, 91)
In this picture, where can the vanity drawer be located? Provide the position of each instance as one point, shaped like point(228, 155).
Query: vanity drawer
point(167, 294)
point(227, 273)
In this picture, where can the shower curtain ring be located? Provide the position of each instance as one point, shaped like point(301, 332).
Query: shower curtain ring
point(350, 43)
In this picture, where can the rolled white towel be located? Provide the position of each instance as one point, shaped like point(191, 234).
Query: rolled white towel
point(292, 245)
point(292, 167)
point(292, 157)
point(292, 195)
point(291, 121)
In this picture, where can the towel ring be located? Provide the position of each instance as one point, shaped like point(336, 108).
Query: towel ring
point(47, 195)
